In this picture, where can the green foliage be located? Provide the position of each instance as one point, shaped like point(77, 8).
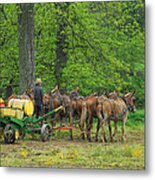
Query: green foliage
point(137, 116)
point(103, 41)
point(8, 45)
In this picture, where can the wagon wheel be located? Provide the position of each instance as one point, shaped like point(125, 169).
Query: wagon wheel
point(9, 134)
point(21, 134)
point(45, 132)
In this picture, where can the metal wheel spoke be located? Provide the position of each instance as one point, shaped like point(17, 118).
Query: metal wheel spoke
point(9, 134)
point(45, 132)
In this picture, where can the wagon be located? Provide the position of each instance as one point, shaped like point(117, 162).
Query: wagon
point(16, 121)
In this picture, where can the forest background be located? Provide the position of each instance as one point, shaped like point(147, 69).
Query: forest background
point(97, 46)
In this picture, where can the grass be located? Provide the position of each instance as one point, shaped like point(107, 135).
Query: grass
point(61, 152)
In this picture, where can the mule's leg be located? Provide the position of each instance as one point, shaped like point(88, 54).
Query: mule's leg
point(110, 131)
point(70, 118)
point(103, 137)
point(106, 118)
point(116, 129)
point(97, 129)
point(100, 118)
point(102, 125)
point(82, 120)
point(56, 118)
point(71, 124)
point(123, 130)
point(89, 125)
point(81, 126)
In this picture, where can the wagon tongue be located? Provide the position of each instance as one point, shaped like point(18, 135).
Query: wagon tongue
point(59, 108)
point(50, 113)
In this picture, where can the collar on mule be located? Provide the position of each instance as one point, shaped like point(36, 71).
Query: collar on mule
point(124, 110)
point(127, 104)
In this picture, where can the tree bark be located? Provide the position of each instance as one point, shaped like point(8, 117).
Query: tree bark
point(26, 46)
point(62, 45)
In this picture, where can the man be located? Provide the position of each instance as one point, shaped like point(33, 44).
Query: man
point(38, 97)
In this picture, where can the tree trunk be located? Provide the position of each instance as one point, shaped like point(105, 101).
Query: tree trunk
point(26, 46)
point(62, 45)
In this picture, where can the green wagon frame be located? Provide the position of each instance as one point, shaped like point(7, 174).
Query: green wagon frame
point(29, 125)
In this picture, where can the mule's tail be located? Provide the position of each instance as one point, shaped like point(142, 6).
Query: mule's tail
point(100, 114)
point(84, 113)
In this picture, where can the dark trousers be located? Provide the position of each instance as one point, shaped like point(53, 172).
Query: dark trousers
point(37, 111)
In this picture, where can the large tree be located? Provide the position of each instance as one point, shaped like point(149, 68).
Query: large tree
point(26, 46)
point(62, 45)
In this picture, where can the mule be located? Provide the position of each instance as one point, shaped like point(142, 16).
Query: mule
point(28, 94)
point(104, 112)
point(89, 106)
point(76, 103)
point(54, 99)
point(120, 107)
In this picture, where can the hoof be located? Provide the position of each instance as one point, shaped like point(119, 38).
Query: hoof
point(111, 140)
point(105, 140)
point(123, 139)
point(89, 140)
point(82, 136)
point(102, 140)
point(96, 139)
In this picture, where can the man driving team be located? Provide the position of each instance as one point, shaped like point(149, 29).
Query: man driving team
point(38, 97)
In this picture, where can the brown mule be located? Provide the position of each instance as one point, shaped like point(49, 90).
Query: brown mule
point(104, 112)
point(120, 107)
point(29, 94)
point(89, 106)
point(54, 99)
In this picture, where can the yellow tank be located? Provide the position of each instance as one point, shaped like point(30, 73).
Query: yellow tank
point(7, 112)
point(23, 104)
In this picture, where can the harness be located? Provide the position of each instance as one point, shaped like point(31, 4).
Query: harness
point(124, 110)
point(126, 102)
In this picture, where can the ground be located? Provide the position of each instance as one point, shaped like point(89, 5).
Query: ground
point(61, 152)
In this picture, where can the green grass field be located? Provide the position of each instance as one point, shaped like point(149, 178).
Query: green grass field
point(61, 152)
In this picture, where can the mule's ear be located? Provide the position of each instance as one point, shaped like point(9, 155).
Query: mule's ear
point(133, 92)
point(27, 90)
point(57, 86)
point(105, 93)
point(31, 89)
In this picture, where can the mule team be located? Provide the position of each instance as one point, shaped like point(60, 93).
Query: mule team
point(105, 108)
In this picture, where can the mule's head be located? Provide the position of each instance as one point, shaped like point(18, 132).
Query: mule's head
point(130, 101)
point(74, 93)
point(55, 91)
point(101, 99)
point(112, 95)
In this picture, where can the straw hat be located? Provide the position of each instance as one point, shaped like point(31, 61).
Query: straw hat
point(77, 89)
point(38, 81)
